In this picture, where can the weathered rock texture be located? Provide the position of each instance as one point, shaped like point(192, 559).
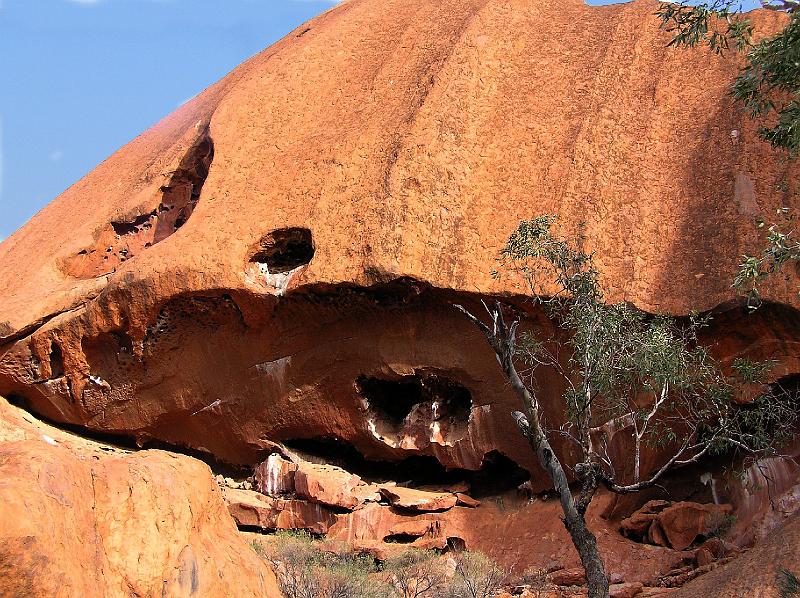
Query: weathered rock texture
point(80, 518)
point(277, 260)
point(756, 574)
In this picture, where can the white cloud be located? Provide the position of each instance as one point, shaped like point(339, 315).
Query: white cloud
point(56, 155)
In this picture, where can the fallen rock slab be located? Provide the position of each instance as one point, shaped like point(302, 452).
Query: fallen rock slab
point(251, 509)
point(328, 485)
point(418, 500)
point(683, 522)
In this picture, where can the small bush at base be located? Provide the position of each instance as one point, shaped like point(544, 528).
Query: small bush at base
point(306, 568)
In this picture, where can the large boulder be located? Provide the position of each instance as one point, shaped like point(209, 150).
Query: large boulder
point(86, 519)
point(756, 574)
point(684, 522)
point(278, 259)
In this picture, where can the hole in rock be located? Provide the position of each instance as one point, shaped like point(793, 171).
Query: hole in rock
point(124, 239)
point(393, 400)
point(456, 544)
point(56, 361)
point(283, 250)
point(400, 538)
point(425, 406)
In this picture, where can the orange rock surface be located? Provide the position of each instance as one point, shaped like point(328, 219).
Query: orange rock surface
point(757, 573)
point(277, 260)
point(225, 278)
point(80, 518)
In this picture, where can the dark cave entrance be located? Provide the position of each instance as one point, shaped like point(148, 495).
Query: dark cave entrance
point(393, 400)
point(284, 250)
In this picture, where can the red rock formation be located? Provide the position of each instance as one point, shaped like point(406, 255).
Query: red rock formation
point(277, 260)
point(677, 525)
point(755, 574)
point(80, 518)
point(226, 278)
point(419, 500)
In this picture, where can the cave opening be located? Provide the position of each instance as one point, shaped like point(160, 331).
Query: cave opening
point(284, 250)
point(416, 470)
point(56, 361)
point(400, 538)
point(498, 474)
point(393, 400)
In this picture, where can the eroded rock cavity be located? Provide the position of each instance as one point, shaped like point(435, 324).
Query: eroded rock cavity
point(123, 239)
point(424, 403)
point(278, 255)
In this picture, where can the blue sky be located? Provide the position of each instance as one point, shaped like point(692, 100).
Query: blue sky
point(83, 77)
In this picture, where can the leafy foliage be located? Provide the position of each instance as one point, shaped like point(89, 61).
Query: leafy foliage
point(781, 248)
point(627, 370)
point(769, 83)
point(306, 568)
point(788, 583)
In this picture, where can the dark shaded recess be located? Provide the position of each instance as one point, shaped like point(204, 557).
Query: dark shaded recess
point(284, 250)
point(498, 473)
point(399, 538)
point(56, 361)
point(455, 544)
point(418, 470)
point(132, 226)
point(455, 401)
point(199, 311)
point(108, 351)
point(788, 385)
point(395, 399)
point(183, 191)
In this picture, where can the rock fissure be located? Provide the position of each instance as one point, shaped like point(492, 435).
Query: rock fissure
point(125, 238)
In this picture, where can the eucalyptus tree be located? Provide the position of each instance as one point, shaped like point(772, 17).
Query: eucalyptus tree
point(626, 373)
point(768, 85)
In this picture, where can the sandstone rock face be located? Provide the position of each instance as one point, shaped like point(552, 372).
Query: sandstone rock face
point(278, 259)
point(419, 500)
point(677, 525)
point(755, 574)
point(84, 519)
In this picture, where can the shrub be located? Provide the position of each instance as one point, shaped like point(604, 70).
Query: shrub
point(788, 583)
point(304, 570)
point(476, 576)
point(416, 574)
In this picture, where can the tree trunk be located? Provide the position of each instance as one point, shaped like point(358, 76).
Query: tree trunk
point(586, 545)
point(502, 340)
point(582, 538)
